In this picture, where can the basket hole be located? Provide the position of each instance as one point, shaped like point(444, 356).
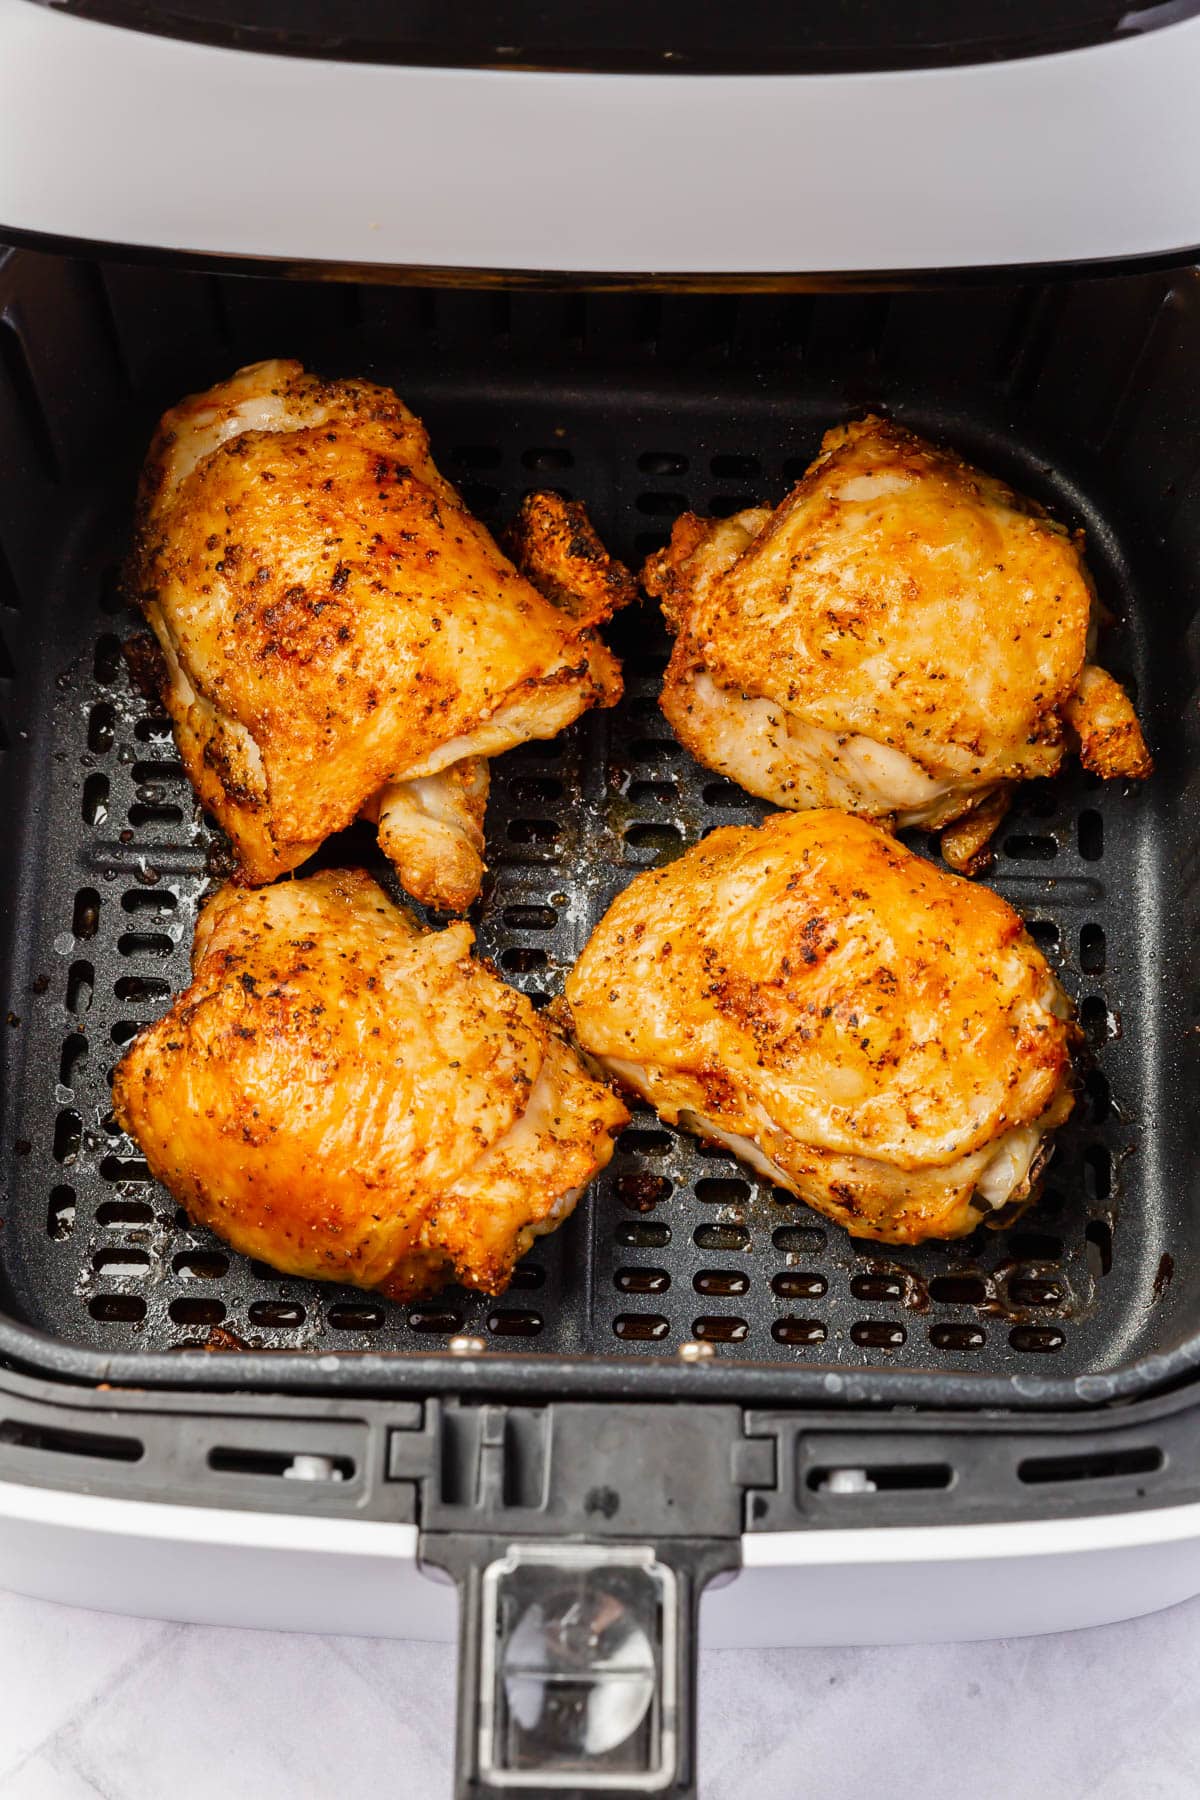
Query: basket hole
point(81, 985)
point(641, 1328)
point(124, 1212)
point(661, 506)
point(142, 814)
point(799, 1240)
point(526, 1277)
point(196, 1311)
point(891, 1477)
point(659, 840)
point(435, 1319)
point(878, 1334)
point(1091, 835)
point(141, 988)
point(662, 462)
point(276, 1315)
point(124, 1032)
point(152, 774)
point(641, 1281)
point(536, 790)
point(144, 943)
point(720, 1328)
point(352, 1315)
point(1096, 1020)
point(1099, 1095)
point(715, 1191)
point(73, 1060)
point(480, 496)
point(533, 831)
point(878, 1287)
point(102, 728)
point(85, 915)
point(1034, 1290)
point(476, 456)
point(160, 901)
point(1034, 1246)
point(958, 1290)
point(643, 1143)
point(721, 1283)
point(545, 461)
point(1024, 847)
point(1098, 1239)
point(957, 1337)
point(508, 1322)
point(721, 1237)
point(124, 1168)
point(117, 1309)
point(93, 807)
point(1045, 934)
point(122, 1261)
point(636, 1236)
point(201, 1265)
point(519, 960)
point(106, 664)
point(1095, 1465)
point(799, 1331)
point(1097, 1171)
point(798, 1284)
point(530, 918)
point(735, 468)
point(653, 793)
point(60, 1214)
point(655, 750)
point(641, 1193)
point(1038, 1339)
point(1092, 950)
point(155, 728)
point(728, 794)
point(68, 1135)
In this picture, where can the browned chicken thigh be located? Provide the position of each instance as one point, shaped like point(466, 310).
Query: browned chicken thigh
point(342, 637)
point(352, 1098)
point(903, 637)
point(879, 1037)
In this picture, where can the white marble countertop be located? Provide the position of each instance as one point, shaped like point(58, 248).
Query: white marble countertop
point(92, 1704)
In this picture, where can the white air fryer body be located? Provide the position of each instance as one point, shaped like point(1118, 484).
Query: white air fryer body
point(119, 136)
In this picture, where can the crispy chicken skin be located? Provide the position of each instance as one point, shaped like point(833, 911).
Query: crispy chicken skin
point(903, 637)
point(879, 1037)
point(352, 1098)
point(336, 626)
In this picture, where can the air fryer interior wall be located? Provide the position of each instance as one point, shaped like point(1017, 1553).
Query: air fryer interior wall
point(1080, 393)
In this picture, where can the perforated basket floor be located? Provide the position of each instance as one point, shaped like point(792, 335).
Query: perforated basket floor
point(676, 1241)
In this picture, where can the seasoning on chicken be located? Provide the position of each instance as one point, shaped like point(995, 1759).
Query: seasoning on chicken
point(879, 1037)
point(342, 637)
point(349, 1097)
point(903, 637)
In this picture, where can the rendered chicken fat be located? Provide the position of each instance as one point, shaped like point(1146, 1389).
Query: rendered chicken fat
point(336, 626)
point(903, 637)
point(879, 1037)
point(351, 1098)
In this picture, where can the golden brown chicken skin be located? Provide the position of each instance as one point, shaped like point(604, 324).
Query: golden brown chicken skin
point(879, 1037)
point(903, 637)
point(349, 1097)
point(341, 636)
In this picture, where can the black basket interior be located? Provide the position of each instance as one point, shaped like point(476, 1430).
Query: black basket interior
point(1080, 393)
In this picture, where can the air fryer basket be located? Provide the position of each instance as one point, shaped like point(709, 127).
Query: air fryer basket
point(1078, 392)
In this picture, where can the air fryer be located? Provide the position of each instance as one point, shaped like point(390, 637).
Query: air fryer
point(697, 1384)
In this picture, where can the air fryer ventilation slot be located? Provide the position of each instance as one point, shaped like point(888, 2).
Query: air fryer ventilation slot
point(676, 1242)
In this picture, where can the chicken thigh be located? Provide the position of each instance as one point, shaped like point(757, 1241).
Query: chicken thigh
point(871, 1033)
point(903, 637)
point(352, 1098)
point(341, 637)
